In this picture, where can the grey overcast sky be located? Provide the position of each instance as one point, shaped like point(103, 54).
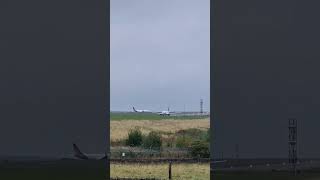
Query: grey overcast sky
point(160, 52)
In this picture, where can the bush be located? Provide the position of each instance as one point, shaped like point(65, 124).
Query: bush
point(169, 141)
point(200, 149)
point(152, 141)
point(183, 142)
point(134, 137)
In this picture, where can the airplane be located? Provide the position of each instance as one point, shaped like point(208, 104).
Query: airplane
point(81, 156)
point(140, 111)
point(164, 113)
point(168, 112)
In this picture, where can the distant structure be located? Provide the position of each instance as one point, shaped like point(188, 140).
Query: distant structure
point(201, 106)
point(293, 145)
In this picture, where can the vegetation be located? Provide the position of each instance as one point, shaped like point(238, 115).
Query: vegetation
point(183, 142)
point(149, 116)
point(134, 137)
point(167, 127)
point(157, 138)
point(196, 140)
point(200, 149)
point(152, 141)
point(179, 171)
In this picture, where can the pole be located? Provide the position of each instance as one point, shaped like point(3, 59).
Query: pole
point(170, 176)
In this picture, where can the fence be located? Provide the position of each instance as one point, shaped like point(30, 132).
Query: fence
point(151, 154)
point(160, 160)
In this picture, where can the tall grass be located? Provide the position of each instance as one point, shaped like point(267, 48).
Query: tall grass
point(120, 129)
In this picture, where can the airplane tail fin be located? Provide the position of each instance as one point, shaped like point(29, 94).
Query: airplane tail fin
point(77, 153)
point(134, 109)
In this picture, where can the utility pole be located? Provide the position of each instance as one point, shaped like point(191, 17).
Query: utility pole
point(201, 106)
point(292, 142)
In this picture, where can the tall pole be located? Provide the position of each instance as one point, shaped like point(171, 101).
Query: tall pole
point(201, 106)
point(293, 145)
point(170, 172)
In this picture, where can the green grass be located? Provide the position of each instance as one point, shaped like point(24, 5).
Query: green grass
point(148, 116)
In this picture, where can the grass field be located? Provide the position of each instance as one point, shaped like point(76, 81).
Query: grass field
point(119, 129)
point(179, 171)
point(168, 127)
point(148, 116)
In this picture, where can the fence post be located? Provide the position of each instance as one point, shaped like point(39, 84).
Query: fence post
point(170, 164)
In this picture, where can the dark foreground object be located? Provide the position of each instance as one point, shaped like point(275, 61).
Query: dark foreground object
point(56, 170)
point(265, 176)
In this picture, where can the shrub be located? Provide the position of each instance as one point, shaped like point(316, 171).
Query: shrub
point(183, 142)
point(152, 141)
point(200, 149)
point(134, 137)
point(169, 141)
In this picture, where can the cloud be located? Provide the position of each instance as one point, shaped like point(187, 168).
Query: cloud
point(159, 53)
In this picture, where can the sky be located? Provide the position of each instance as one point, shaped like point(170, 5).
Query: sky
point(160, 52)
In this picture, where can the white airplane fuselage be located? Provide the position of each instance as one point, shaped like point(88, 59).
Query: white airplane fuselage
point(140, 111)
point(165, 113)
